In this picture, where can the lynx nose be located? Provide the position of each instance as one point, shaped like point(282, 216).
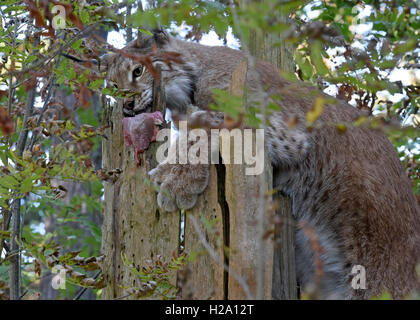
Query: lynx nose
point(128, 104)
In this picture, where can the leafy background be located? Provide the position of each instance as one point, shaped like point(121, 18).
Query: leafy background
point(365, 52)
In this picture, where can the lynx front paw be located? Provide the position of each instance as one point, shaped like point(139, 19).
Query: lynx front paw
point(179, 184)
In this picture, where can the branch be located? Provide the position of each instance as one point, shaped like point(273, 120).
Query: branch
point(44, 107)
point(14, 269)
point(83, 290)
point(56, 52)
point(5, 212)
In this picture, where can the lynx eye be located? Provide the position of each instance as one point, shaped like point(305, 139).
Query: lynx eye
point(137, 72)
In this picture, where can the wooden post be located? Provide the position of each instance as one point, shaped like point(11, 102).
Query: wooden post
point(203, 278)
point(133, 224)
point(136, 227)
point(244, 194)
point(284, 270)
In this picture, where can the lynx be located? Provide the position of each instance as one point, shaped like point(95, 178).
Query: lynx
point(349, 186)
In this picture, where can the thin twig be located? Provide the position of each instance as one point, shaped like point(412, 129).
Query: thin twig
point(63, 47)
point(14, 268)
point(23, 294)
point(83, 290)
point(124, 296)
point(44, 108)
point(5, 212)
point(8, 256)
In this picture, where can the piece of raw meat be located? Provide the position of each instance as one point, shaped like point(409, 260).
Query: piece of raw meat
point(141, 130)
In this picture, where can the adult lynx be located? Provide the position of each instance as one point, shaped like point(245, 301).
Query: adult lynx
point(349, 186)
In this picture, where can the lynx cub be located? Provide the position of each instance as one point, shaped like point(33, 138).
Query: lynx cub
point(350, 187)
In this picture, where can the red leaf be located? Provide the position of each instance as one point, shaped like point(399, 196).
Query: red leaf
point(76, 21)
point(6, 123)
point(37, 268)
point(35, 13)
point(84, 97)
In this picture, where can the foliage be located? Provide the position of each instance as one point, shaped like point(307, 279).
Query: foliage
point(58, 151)
point(155, 277)
point(357, 49)
point(351, 49)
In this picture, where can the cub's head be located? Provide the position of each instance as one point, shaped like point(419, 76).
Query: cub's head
point(125, 73)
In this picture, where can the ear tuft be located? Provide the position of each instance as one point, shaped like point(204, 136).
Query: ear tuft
point(143, 40)
point(104, 63)
point(161, 37)
point(158, 37)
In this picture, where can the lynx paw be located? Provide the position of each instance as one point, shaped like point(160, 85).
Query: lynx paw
point(179, 184)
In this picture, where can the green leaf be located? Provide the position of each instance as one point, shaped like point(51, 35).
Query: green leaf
point(145, 32)
point(70, 125)
point(8, 182)
point(96, 83)
point(304, 65)
point(84, 16)
point(409, 45)
point(316, 58)
point(27, 185)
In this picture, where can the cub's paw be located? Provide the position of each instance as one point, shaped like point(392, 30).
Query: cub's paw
point(179, 184)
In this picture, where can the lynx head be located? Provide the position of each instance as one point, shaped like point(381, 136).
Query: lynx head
point(125, 73)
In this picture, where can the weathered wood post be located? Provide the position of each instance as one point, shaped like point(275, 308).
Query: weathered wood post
point(133, 223)
point(135, 227)
point(248, 197)
point(261, 45)
point(233, 198)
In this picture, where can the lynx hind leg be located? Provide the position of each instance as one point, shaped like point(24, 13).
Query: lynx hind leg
point(286, 144)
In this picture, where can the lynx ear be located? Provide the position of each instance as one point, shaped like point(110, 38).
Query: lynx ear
point(161, 37)
point(103, 63)
point(158, 37)
point(143, 41)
